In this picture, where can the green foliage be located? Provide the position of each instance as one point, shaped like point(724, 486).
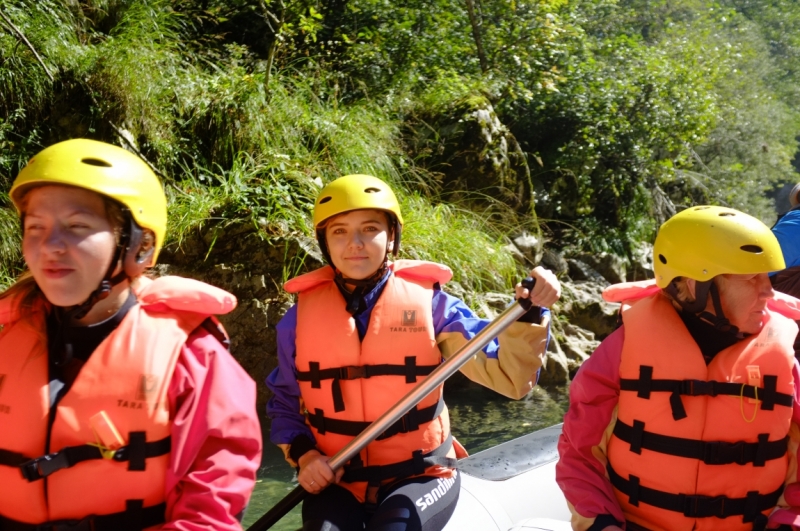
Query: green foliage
point(9, 245)
point(460, 239)
point(250, 190)
point(624, 110)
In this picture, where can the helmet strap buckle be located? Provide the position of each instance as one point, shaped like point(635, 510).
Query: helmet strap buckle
point(698, 305)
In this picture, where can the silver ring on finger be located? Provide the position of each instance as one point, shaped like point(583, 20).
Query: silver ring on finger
point(312, 483)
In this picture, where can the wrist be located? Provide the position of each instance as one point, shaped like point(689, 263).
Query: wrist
point(533, 315)
point(300, 445)
point(306, 457)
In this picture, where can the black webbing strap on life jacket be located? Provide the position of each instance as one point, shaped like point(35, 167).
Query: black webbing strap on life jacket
point(698, 506)
point(135, 517)
point(709, 452)
point(374, 474)
point(315, 375)
point(411, 421)
point(9, 458)
point(135, 453)
point(645, 384)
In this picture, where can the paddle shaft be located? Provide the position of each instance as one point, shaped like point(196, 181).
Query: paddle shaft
point(449, 367)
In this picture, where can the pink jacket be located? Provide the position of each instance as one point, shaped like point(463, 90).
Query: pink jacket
point(216, 438)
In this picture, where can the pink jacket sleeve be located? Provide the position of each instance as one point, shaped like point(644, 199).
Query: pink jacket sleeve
point(789, 512)
point(216, 438)
point(593, 398)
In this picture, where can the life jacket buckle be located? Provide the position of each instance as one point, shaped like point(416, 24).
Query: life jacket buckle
point(698, 506)
point(697, 388)
point(409, 422)
point(724, 453)
point(41, 467)
point(353, 372)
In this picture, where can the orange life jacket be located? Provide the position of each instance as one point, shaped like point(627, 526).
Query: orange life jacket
point(694, 445)
point(127, 378)
point(346, 383)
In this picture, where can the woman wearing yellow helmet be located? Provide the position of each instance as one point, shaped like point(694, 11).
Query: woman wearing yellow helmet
point(110, 382)
point(362, 333)
point(698, 381)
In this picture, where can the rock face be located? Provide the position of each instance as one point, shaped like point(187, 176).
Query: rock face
point(529, 246)
point(581, 271)
point(569, 347)
point(642, 263)
point(241, 262)
point(583, 306)
point(474, 152)
point(554, 261)
point(610, 266)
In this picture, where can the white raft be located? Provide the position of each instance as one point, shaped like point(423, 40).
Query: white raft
point(512, 487)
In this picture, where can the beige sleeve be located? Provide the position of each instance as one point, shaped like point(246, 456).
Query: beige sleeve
point(285, 448)
point(513, 372)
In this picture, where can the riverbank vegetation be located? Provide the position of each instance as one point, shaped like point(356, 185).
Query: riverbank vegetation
point(587, 122)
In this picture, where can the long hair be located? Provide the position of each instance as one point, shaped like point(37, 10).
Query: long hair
point(28, 297)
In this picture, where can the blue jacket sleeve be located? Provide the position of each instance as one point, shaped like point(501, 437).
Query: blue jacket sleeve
point(284, 406)
point(787, 231)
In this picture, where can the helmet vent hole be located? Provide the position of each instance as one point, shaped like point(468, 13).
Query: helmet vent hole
point(662, 259)
point(726, 214)
point(96, 162)
point(372, 190)
point(752, 249)
point(325, 199)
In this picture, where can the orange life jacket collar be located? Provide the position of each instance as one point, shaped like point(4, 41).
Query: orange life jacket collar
point(410, 269)
point(629, 292)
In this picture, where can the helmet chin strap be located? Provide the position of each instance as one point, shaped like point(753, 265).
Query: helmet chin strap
point(718, 318)
point(698, 306)
point(359, 287)
point(103, 290)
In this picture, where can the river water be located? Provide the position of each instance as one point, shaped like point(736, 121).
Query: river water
point(480, 419)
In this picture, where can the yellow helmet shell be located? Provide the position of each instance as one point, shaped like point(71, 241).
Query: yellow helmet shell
point(705, 241)
point(355, 192)
point(102, 168)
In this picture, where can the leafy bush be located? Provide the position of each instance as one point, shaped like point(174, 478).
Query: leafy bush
point(624, 110)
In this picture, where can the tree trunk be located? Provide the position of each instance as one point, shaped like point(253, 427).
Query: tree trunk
point(476, 34)
point(275, 24)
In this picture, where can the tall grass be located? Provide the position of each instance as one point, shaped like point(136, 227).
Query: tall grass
point(460, 239)
point(10, 252)
point(231, 149)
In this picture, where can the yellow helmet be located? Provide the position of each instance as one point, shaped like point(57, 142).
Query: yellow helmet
point(355, 192)
point(102, 168)
point(705, 241)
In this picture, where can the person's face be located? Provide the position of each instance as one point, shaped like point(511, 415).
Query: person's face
point(744, 300)
point(68, 242)
point(357, 242)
